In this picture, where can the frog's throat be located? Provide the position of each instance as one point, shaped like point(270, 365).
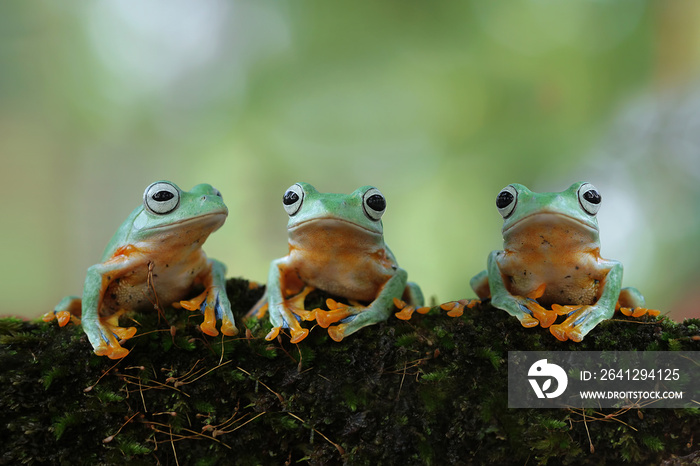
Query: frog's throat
point(210, 216)
point(554, 218)
point(332, 221)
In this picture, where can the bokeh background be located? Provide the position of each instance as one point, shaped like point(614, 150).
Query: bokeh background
point(439, 104)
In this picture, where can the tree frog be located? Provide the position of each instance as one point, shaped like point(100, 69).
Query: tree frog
point(551, 257)
point(154, 257)
point(336, 244)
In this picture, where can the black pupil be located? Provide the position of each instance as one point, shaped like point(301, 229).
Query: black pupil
point(290, 197)
point(592, 196)
point(376, 202)
point(162, 196)
point(504, 199)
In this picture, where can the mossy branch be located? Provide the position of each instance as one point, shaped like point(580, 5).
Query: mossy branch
point(428, 391)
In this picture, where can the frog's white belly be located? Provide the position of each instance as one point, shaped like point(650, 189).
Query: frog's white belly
point(340, 258)
point(553, 251)
point(564, 283)
point(151, 281)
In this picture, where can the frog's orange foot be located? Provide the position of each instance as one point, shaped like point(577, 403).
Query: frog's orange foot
point(62, 317)
point(528, 321)
point(456, 308)
point(123, 333)
point(298, 334)
point(195, 303)
point(337, 312)
point(546, 318)
point(273, 333)
point(296, 304)
point(112, 350)
point(228, 328)
point(304, 314)
point(566, 331)
point(570, 329)
point(563, 310)
point(208, 326)
point(639, 311)
point(337, 332)
point(405, 311)
point(68, 310)
point(210, 304)
point(541, 315)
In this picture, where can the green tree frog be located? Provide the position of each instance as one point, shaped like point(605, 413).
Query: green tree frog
point(551, 258)
point(154, 257)
point(336, 244)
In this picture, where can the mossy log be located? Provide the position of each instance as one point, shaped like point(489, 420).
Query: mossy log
point(432, 390)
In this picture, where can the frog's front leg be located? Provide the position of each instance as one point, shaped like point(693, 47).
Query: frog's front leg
point(582, 319)
point(213, 302)
point(285, 313)
point(68, 310)
point(379, 310)
point(102, 332)
point(525, 308)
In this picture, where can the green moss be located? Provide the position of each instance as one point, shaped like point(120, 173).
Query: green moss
point(130, 448)
point(428, 391)
point(435, 376)
point(9, 325)
point(53, 373)
point(68, 419)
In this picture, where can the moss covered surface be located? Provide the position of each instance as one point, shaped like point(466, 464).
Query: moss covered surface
point(428, 391)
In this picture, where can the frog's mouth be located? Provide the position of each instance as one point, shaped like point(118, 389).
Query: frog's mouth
point(333, 223)
point(218, 216)
point(551, 219)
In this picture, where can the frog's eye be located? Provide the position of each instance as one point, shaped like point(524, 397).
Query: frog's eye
point(293, 199)
point(374, 204)
point(161, 197)
point(506, 201)
point(589, 198)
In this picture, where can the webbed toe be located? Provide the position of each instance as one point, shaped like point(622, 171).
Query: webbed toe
point(405, 311)
point(273, 333)
point(337, 312)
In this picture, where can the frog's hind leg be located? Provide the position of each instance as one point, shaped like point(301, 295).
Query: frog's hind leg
point(480, 284)
point(631, 303)
point(412, 300)
point(377, 311)
point(68, 310)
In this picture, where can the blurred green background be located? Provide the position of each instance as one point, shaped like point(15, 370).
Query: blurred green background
point(438, 104)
